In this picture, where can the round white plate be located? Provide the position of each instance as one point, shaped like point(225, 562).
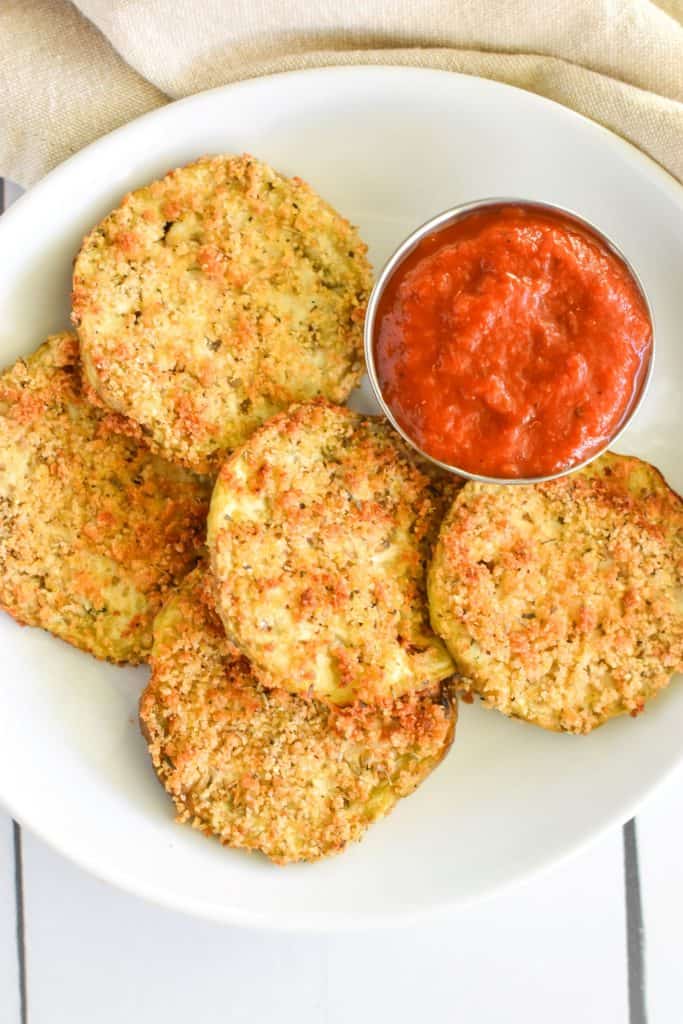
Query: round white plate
point(389, 147)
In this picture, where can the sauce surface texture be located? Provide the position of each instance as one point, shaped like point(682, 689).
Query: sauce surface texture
point(511, 343)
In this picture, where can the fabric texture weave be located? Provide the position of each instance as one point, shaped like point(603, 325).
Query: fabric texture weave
point(71, 72)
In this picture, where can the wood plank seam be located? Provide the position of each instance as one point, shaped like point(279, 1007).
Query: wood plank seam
point(635, 928)
point(20, 921)
point(18, 861)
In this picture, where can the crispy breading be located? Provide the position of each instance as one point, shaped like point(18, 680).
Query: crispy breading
point(94, 529)
point(213, 298)
point(561, 602)
point(295, 778)
point(319, 532)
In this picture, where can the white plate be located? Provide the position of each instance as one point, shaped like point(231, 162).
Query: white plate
point(389, 147)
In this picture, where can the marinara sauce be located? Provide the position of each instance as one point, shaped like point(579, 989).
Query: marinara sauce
point(511, 343)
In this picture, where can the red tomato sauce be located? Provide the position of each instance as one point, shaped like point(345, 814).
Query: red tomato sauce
point(512, 343)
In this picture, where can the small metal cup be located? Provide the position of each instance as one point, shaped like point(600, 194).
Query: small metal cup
point(443, 220)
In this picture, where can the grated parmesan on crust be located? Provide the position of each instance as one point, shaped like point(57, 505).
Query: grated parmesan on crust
point(294, 778)
point(320, 530)
point(94, 529)
point(213, 298)
point(562, 602)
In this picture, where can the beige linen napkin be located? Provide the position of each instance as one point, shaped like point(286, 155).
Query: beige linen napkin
point(70, 72)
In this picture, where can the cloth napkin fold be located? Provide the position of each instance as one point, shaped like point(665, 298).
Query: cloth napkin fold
point(71, 72)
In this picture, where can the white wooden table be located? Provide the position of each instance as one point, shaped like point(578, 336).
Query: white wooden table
point(597, 940)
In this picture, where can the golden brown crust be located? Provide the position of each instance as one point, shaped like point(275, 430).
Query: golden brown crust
point(320, 529)
point(213, 298)
point(561, 602)
point(94, 529)
point(292, 777)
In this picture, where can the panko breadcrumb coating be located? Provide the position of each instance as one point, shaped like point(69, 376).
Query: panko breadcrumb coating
point(562, 602)
point(319, 532)
point(264, 770)
point(94, 529)
point(213, 298)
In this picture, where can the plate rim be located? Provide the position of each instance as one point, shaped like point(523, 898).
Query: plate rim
point(671, 184)
point(325, 920)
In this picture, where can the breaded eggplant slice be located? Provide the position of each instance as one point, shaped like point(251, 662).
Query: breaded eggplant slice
point(213, 298)
point(94, 529)
point(320, 530)
point(561, 602)
point(295, 778)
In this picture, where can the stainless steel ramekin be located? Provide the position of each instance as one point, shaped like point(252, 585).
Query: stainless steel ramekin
point(443, 220)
